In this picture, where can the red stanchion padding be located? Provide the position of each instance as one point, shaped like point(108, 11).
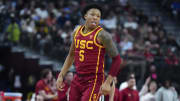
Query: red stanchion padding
point(12, 96)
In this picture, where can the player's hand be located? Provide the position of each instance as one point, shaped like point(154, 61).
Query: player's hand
point(105, 88)
point(113, 87)
point(111, 93)
point(59, 83)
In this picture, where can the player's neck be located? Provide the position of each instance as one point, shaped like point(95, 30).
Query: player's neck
point(87, 29)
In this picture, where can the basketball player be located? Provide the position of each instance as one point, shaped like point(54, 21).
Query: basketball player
point(89, 45)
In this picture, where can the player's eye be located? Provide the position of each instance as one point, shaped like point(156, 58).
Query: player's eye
point(98, 16)
point(92, 14)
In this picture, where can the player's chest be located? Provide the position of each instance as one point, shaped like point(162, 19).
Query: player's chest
point(84, 42)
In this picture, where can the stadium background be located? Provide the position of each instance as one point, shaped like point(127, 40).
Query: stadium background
point(36, 34)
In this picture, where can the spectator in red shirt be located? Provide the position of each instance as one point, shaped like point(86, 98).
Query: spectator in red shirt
point(171, 59)
point(43, 90)
point(127, 94)
point(63, 95)
point(147, 53)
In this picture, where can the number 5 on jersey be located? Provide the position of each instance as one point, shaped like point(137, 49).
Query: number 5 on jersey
point(81, 55)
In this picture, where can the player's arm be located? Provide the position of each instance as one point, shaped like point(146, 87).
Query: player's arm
point(67, 64)
point(106, 40)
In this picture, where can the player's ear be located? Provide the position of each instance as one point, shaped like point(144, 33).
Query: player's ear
point(85, 16)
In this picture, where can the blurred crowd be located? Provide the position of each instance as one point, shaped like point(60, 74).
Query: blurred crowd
point(149, 91)
point(46, 27)
point(172, 6)
point(46, 89)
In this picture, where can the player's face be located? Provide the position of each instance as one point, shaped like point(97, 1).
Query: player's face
point(92, 17)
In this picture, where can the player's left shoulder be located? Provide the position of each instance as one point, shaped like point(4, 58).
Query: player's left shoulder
point(103, 34)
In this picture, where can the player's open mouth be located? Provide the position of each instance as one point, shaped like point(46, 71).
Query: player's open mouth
point(93, 23)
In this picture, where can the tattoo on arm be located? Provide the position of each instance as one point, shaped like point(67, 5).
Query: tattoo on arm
point(106, 39)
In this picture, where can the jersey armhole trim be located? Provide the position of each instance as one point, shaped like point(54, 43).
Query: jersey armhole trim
point(95, 39)
point(76, 32)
